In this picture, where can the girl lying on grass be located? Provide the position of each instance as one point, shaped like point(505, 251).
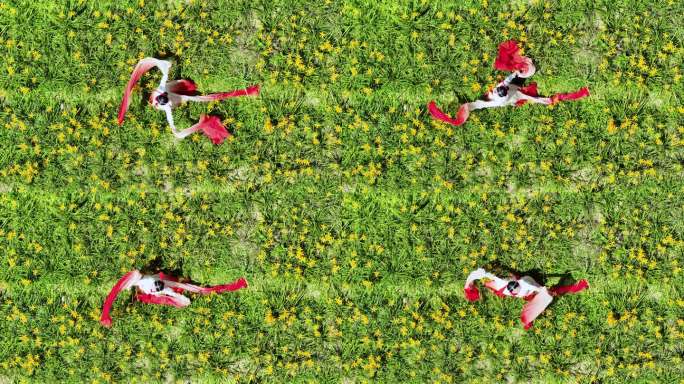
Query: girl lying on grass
point(511, 91)
point(171, 94)
point(537, 296)
point(160, 289)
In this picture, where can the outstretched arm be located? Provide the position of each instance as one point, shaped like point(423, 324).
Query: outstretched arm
point(521, 98)
point(508, 80)
point(471, 291)
point(169, 118)
point(482, 104)
point(234, 286)
point(210, 125)
point(249, 91)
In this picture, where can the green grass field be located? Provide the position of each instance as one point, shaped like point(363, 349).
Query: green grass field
point(354, 216)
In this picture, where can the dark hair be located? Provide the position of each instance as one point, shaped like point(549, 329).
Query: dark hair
point(502, 91)
point(158, 285)
point(512, 285)
point(519, 81)
point(163, 98)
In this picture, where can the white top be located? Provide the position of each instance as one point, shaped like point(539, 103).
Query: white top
point(527, 285)
point(147, 284)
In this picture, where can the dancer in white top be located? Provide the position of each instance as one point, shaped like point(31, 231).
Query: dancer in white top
point(160, 289)
point(171, 94)
point(511, 91)
point(537, 296)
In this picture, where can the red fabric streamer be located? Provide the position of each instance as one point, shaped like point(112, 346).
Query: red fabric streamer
point(509, 58)
point(583, 92)
point(461, 116)
point(471, 293)
point(536, 304)
point(140, 69)
point(499, 292)
point(182, 87)
point(239, 284)
point(234, 286)
point(574, 288)
point(249, 91)
point(530, 90)
point(125, 282)
point(212, 127)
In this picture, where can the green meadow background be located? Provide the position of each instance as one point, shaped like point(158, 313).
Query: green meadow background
point(354, 216)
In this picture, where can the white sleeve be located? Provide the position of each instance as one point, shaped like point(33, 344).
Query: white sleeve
point(480, 273)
